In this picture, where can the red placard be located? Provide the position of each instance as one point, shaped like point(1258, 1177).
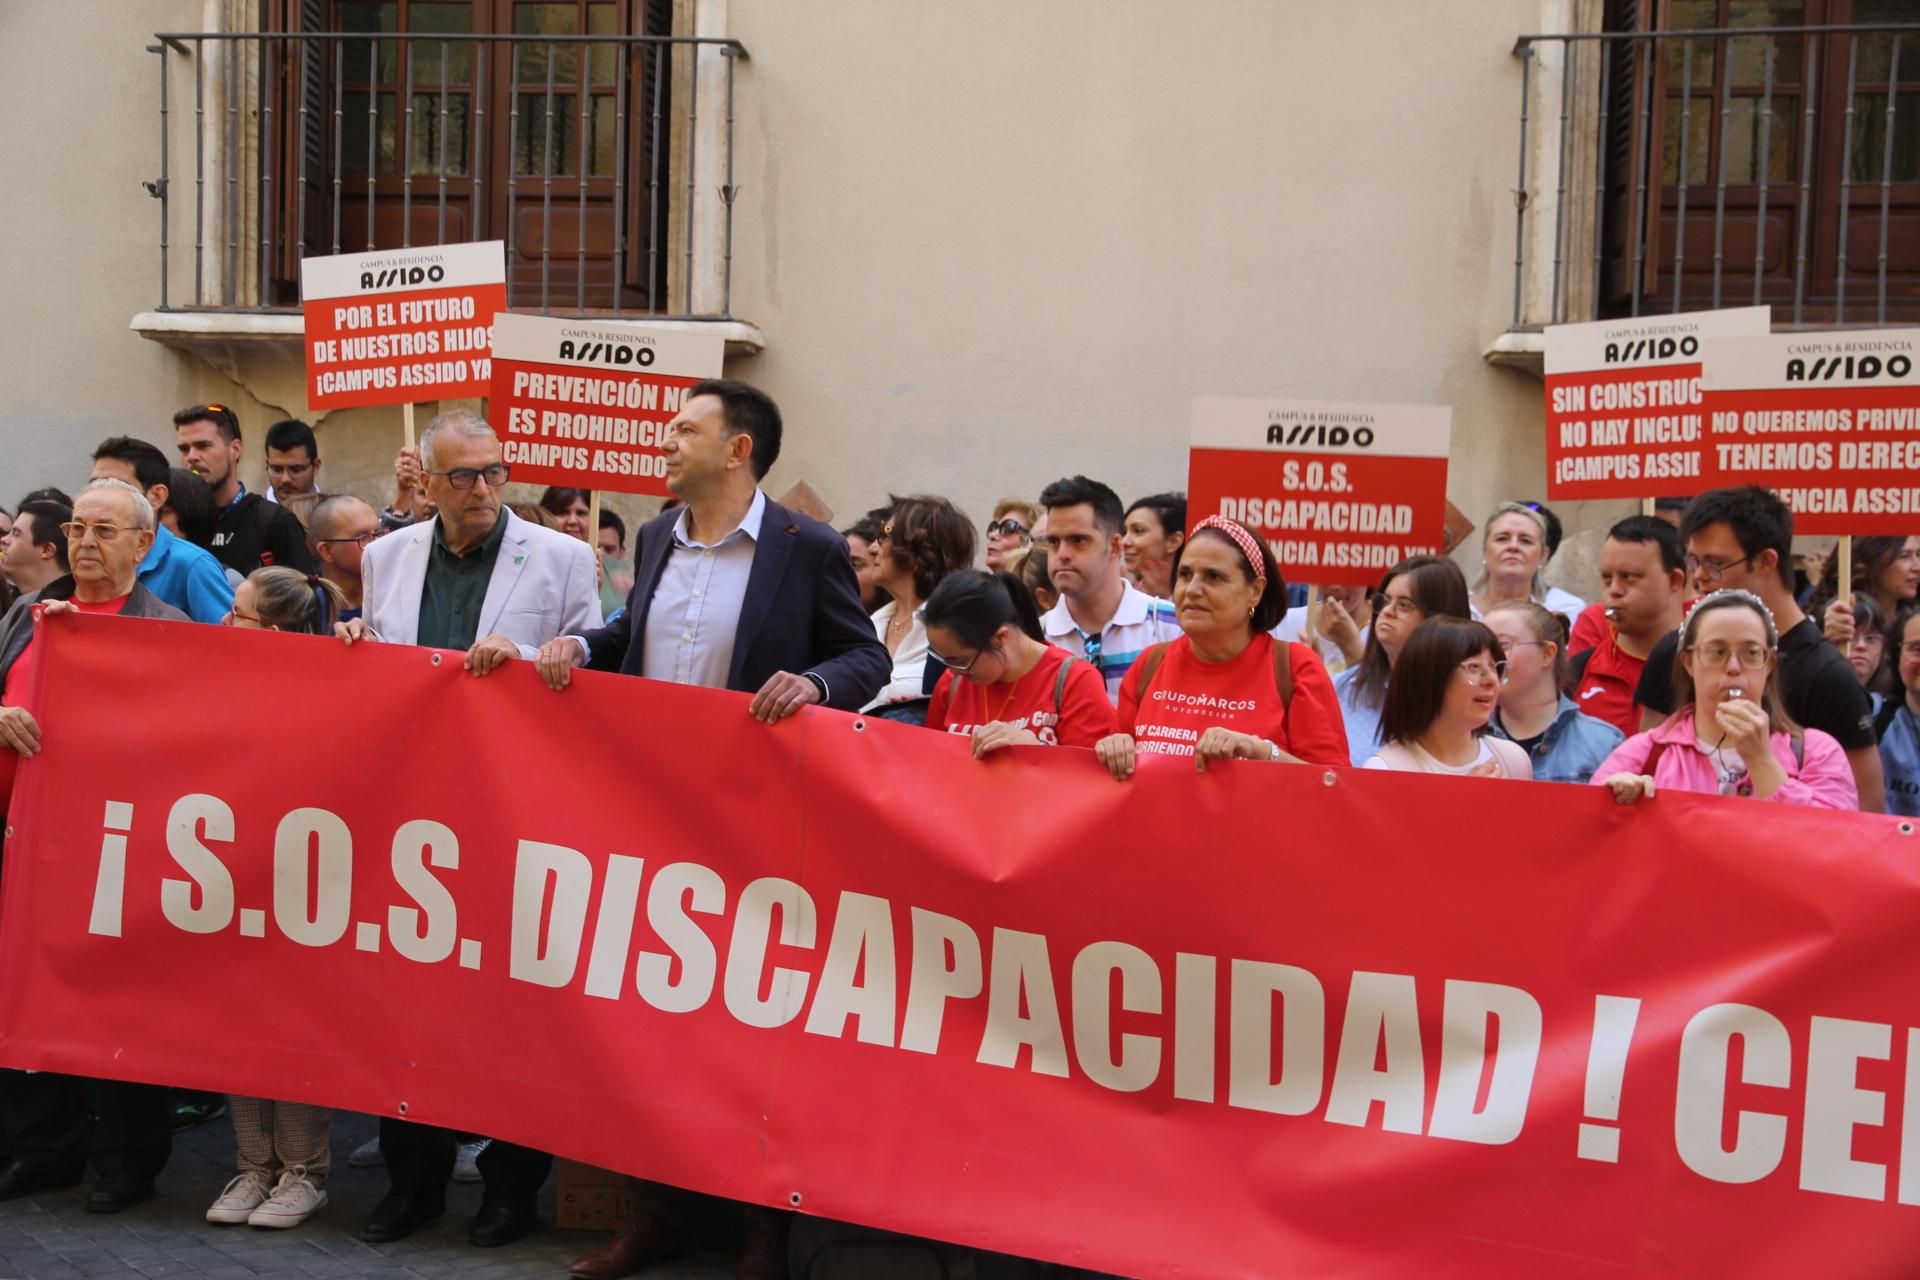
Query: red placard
point(1831, 421)
point(587, 402)
point(1342, 492)
point(403, 325)
point(1624, 415)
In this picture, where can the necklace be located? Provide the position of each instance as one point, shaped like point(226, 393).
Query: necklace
point(1006, 702)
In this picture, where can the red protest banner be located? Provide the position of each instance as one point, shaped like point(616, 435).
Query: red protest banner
point(587, 402)
point(401, 325)
point(1830, 420)
point(1343, 492)
point(1624, 416)
point(992, 1002)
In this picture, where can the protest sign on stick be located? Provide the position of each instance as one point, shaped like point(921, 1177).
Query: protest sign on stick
point(1624, 418)
point(587, 402)
point(1342, 492)
point(1829, 420)
point(398, 326)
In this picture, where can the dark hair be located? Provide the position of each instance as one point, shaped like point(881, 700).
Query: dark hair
point(1870, 556)
point(1779, 721)
point(1897, 636)
point(1076, 491)
point(1033, 569)
point(1555, 530)
point(59, 497)
point(559, 499)
point(866, 528)
point(1644, 529)
point(219, 415)
point(975, 603)
point(931, 539)
point(289, 434)
point(1170, 509)
point(1272, 608)
point(1433, 653)
point(608, 520)
point(191, 500)
point(746, 409)
point(47, 519)
point(1759, 522)
point(1440, 589)
point(149, 464)
point(1868, 616)
point(1670, 504)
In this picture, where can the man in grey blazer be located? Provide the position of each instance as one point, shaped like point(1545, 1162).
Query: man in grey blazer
point(475, 577)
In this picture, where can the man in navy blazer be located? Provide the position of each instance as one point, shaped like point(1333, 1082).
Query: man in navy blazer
point(731, 591)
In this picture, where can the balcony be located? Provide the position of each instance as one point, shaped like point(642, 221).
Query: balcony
point(1680, 170)
point(604, 161)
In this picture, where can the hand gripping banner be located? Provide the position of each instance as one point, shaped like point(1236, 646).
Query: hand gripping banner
point(1272, 1020)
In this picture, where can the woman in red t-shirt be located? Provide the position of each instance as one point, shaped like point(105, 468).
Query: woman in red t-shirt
point(1223, 690)
point(1004, 685)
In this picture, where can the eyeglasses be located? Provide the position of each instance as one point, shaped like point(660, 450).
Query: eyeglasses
point(1007, 528)
point(363, 539)
point(1871, 639)
point(1714, 570)
point(463, 477)
point(1521, 644)
point(1484, 672)
point(232, 614)
point(76, 531)
point(1402, 605)
point(288, 471)
point(955, 667)
point(1715, 654)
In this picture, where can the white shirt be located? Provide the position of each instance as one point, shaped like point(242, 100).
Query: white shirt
point(1293, 627)
point(1140, 622)
point(1430, 764)
point(1564, 603)
point(695, 612)
point(909, 660)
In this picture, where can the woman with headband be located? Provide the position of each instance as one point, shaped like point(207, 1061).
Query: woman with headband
point(1226, 690)
point(1731, 735)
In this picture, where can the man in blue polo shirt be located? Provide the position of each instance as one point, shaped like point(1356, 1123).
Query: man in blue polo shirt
point(185, 576)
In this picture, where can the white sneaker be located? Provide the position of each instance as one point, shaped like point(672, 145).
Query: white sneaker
point(294, 1200)
point(367, 1154)
point(242, 1196)
point(466, 1167)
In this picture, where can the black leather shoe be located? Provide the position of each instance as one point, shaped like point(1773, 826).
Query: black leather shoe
point(500, 1221)
point(18, 1179)
point(400, 1213)
point(117, 1192)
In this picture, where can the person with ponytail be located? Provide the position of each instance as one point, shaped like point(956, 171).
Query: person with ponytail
point(276, 598)
point(1226, 689)
point(1004, 685)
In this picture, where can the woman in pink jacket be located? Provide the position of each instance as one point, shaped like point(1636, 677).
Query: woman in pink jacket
point(1731, 736)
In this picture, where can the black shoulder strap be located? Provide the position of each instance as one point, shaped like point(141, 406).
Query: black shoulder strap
point(1883, 718)
point(1577, 667)
point(1150, 665)
point(1060, 686)
point(1283, 672)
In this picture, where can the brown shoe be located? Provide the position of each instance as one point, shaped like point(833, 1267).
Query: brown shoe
point(650, 1237)
point(765, 1257)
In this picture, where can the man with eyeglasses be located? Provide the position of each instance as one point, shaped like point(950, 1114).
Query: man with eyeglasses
point(185, 576)
point(293, 468)
point(46, 1113)
point(248, 531)
point(340, 530)
point(476, 578)
point(1743, 538)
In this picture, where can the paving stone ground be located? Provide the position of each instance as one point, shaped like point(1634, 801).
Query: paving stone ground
point(53, 1237)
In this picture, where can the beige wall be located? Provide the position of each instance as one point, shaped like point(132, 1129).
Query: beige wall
point(988, 244)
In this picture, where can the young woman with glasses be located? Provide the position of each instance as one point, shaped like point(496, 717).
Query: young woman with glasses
point(1562, 743)
point(1412, 591)
point(1445, 689)
point(1003, 685)
point(1731, 735)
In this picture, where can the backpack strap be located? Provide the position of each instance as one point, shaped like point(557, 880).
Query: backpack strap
point(1577, 668)
point(1060, 686)
point(1150, 665)
point(1883, 718)
point(1283, 672)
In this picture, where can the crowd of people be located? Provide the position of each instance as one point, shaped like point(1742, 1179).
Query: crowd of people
point(1709, 664)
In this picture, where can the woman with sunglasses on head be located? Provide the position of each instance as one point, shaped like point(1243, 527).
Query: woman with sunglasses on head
point(1563, 744)
point(1226, 689)
point(1004, 685)
point(1445, 689)
point(1731, 735)
point(1413, 591)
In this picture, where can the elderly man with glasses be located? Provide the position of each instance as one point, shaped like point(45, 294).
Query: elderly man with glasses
point(476, 578)
point(45, 1113)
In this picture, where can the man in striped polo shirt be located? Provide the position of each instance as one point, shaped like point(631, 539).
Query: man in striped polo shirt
point(1101, 616)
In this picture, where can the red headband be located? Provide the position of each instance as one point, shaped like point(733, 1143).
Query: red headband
point(1241, 539)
